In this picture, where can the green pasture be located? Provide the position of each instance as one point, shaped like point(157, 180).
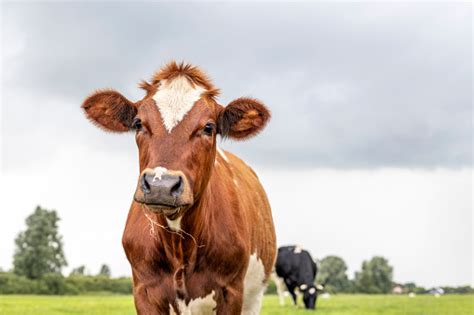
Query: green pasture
point(340, 304)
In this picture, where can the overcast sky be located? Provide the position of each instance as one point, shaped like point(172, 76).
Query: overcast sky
point(372, 118)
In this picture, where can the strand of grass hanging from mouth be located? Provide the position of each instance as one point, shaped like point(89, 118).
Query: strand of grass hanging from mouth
point(153, 223)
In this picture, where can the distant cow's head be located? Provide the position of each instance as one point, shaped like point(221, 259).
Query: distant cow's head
point(175, 127)
point(309, 295)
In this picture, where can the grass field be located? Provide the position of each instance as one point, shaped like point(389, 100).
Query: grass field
point(341, 304)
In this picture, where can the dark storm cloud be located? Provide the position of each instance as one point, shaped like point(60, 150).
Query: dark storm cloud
point(350, 85)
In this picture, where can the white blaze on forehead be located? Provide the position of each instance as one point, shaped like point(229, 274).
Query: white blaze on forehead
point(175, 225)
point(159, 171)
point(312, 291)
point(222, 154)
point(202, 305)
point(254, 286)
point(175, 98)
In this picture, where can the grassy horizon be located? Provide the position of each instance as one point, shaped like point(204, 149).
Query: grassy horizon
point(356, 304)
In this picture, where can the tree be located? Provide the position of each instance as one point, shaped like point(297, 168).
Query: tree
point(39, 249)
point(78, 271)
point(375, 276)
point(410, 286)
point(104, 271)
point(420, 290)
point(332, 274)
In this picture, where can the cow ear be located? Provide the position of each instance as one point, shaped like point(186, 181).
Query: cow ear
point(110, 110)
point(242, 118)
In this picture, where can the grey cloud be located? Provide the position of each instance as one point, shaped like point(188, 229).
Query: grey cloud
point(350, 85)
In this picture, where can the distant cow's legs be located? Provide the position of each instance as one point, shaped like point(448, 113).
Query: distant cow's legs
point(279, 286)
point(291, 289)
point(298, 296)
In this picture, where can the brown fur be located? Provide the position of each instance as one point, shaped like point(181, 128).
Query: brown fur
point(149, 88)
point(110, 110)
point(229, 219)
point(243, 118)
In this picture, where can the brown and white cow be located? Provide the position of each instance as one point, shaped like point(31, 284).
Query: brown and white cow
point(199, 234)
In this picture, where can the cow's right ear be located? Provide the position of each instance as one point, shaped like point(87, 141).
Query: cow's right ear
point(110, 110)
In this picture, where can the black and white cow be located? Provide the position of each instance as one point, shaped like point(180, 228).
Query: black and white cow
point(298, 270)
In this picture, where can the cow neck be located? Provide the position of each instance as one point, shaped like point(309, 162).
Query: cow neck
point(181, 248)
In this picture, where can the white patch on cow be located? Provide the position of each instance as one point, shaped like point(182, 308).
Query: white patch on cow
point(222, 154)
point(303, 287)
point(312, 291)
point(159, 171)
point(203, 305)
point(175, 98)
point(319, 287)
point(254, 286)
point(236, 182)
point(175, 225)
point(298, 249)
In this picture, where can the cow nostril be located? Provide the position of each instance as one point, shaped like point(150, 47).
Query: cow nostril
point(145, 185)
point(177, 188)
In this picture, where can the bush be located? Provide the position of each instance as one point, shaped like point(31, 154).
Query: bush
point(56, 284)
point(271, 288)
point(100, 284)
point(419, 290)
point(11, 283)
point(458, 290)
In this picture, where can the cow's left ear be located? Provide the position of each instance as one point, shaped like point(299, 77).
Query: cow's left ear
point(242, 118)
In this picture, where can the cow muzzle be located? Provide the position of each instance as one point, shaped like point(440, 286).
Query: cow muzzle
point(163, 191)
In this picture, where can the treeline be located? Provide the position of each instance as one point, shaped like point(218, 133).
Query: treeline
point(458, 290)
point(374, 277)
point(39, 258)
point(56, 284)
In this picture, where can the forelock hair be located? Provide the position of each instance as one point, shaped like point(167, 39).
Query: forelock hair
point(171, 70)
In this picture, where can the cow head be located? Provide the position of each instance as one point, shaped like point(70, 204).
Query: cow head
point(310, 295)
point(175, 126)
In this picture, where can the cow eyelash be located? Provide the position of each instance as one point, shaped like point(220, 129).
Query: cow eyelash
point(137, 124)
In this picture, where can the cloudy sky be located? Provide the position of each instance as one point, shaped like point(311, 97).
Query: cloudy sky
point(369, 151)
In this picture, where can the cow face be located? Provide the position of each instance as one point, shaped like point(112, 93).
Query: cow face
point(309, 297)
point(175, 126)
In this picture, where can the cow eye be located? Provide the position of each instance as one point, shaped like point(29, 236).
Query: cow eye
point(137, 124)
point(208, 129)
